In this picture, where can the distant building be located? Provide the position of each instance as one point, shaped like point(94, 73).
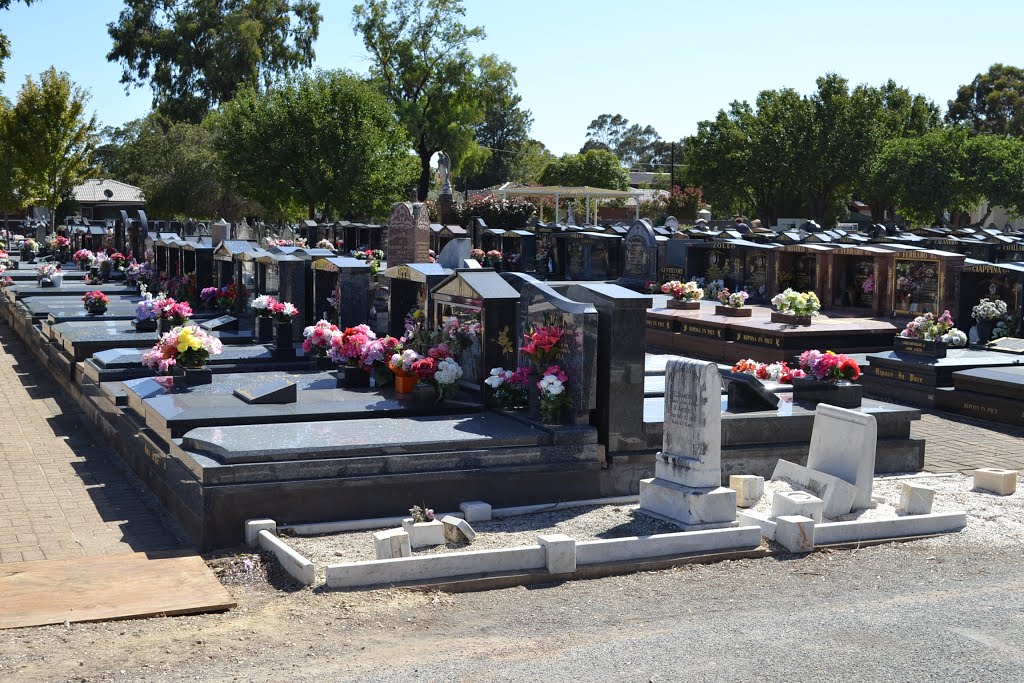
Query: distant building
point(101, 199)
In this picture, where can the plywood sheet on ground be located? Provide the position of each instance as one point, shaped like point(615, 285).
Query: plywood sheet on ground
point(104, 588)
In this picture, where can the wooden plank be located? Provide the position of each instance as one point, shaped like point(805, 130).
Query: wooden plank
point(130, 586)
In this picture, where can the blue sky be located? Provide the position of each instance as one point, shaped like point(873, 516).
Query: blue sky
point(659, 62)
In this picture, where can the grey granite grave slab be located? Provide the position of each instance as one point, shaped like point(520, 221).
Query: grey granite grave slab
point(313, 440)
point(120, 364)
point(82, 339)
point(277, 391)
point(1006, 382)
point(171, 411)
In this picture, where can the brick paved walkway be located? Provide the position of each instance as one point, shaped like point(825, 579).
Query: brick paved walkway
point(960, 444)
point(62, 495)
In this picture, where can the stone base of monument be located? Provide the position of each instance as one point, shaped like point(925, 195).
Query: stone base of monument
point(690, 508)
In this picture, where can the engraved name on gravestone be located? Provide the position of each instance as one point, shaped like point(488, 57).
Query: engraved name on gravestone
point(640, 255)
point(692, 447)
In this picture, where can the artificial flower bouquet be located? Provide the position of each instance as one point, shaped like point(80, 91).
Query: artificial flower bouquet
point(83, 258)
point(829, 366)
point(144, 309)
point(283, 311)
point(478, 254)
point(797, 303)
point(510, 387)
point(261, 305)
point(778, 371)
point(174, 312)
point(440, 369)
point(679, 291)
point(493, 257)
point(95, 302)
point(543, 345)
point(868, 286)
point(317, 338)
point(350, 345)
point(732, 299)
point(553, 395)
point(188, 346)
point(931, 329)
point(208, 295)
point(325, 244)
point(989, 310)
point(47, 271)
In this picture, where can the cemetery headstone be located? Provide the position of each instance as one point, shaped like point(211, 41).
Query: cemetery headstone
point(687, 486)
point(455, 253)
point(746, 393)
point(640, 255)
point(408, 234)
point(843, 444)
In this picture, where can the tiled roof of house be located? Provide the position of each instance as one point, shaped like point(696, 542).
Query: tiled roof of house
point(105, 191)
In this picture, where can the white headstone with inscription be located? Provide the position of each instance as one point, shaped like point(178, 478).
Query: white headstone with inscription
point(687, 485)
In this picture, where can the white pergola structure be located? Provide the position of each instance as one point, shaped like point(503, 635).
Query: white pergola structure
point(559, 191)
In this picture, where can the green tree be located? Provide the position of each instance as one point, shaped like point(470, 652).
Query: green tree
point(504, 133)
point(605, 132)
point(992, 103)
point(420, 58)
point(55, 136)
point(327, 141)
point(997, 166)
point(595, 167)
point(195, 54)
point(5, 43)
point(929, 175)
point(529, 164)
point(12, 181)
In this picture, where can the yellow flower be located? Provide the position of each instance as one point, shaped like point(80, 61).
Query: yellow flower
point(186, 341)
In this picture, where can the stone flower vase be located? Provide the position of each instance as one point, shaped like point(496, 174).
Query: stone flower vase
point(985, 328)
point(264, 327)
point(192, 377)
point(533, 395)
point(422, 534)
point(353, 377)
point(683, 305)
point(282, 335)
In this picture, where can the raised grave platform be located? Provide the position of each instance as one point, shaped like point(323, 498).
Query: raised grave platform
point(702, 334)
point(117, 365)
point(920, 380)
point(988, 393)
point(79, 340)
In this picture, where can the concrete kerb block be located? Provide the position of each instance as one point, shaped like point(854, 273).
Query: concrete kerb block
point(795, 533)
point(559, 553)
point(297, 566)
point(797, 503)
point(476, 511)
point(749, 489)
point(253, 527)
point(916, 499)
point(999, 482)
point(392, 543)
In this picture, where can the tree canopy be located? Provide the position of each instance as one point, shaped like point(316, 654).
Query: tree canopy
point(992, 103)
point(195, 54)
point(420, 58)
point(637, 146)
point(54, 135)
point(326, 141)
point(595, 167)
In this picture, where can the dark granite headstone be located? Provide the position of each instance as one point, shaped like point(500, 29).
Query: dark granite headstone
point(640, 255)
point(279, 391)
point(408, 234)
point(746, 393)
point(226, 323)
point(455, 253)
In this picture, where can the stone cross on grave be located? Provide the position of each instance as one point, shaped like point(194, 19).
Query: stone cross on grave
point(687, 486)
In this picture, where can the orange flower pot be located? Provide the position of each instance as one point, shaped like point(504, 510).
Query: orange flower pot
point(405, 384)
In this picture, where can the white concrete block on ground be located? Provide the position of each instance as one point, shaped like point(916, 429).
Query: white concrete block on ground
point(916, 499)
point(749, 518)
point(559, 552)
point(661, 545)
point(457, 530)
point(253, 527)
point(440, 566)
point(915, 525)
point(297, 566)
point(476, 511)
point(843, 443)
point(688, 506)
point(748, 487)
point(392, 543)
point(838, 496)
point(797, 503)
point(423, 534)
point(1000, 482)
point(795, 533)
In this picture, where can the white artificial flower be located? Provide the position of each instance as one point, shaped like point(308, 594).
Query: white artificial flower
point(289, 308)
point(494, 381)
point(261, 302)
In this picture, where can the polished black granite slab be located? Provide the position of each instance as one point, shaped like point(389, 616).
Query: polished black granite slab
point(82, 339)
point(172, 411)
point(934, 372)
point(1007, 382)
point(116, 365)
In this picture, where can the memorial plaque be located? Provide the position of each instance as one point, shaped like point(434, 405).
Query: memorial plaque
point(408, 234)
point(1007, 345)
point(225, 323)
point(280, 391)
point(747, 393)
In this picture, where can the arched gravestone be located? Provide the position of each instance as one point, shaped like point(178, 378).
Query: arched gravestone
point(639, 256)
point(408, 234)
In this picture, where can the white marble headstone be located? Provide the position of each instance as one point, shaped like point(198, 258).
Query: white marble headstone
point(692, 447)
point(843, 444)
